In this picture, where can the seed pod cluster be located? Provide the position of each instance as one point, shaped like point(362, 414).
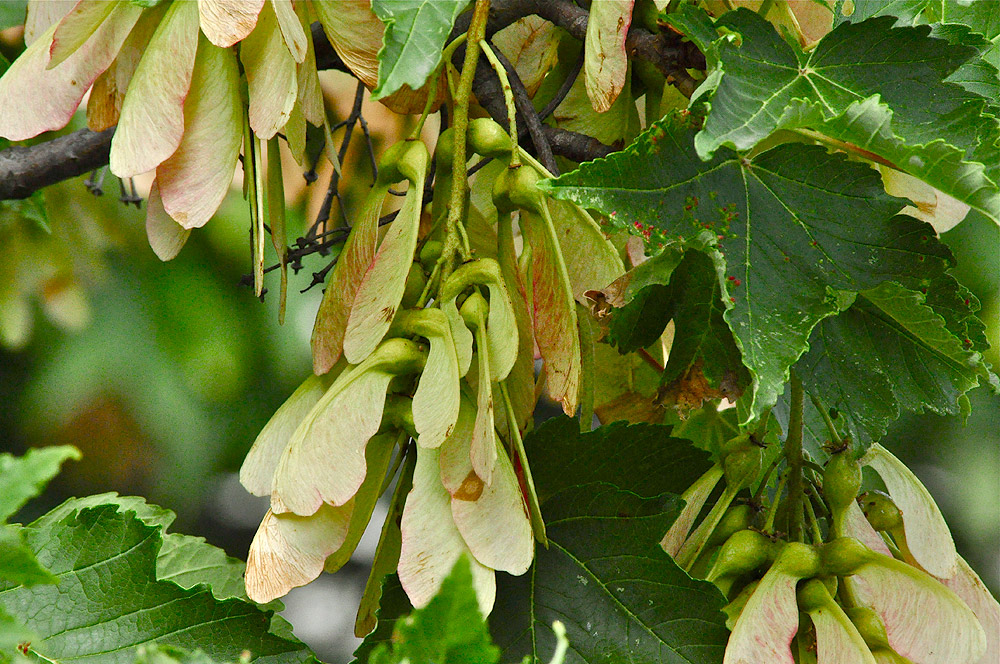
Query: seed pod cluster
point(430, 362)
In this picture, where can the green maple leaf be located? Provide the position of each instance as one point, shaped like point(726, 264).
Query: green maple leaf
point(879, 87)
point(108, 562)
point(895, 348)
point(415, 36)
point(449, 630)
point(641, 458)
point(604, 575)
point(791, 226)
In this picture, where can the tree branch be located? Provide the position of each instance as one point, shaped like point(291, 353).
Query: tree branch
point(25, 170)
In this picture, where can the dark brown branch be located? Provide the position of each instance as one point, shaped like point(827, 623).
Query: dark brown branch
point(25, 170)
point(522, 101)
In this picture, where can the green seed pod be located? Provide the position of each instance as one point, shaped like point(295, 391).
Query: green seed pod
point(474, 310)
point(869, 625)
point(404, 160)
point(416, 280)
point(736, 518)
point(880, 511)
point(813, 595)
point(444, 152)
point(799, 560)
point(844, 555)
point(430, 253)
point(516, 188)
point(841, 480)
point(742, 465)
point(743, 552)
point(488, 138)
point(398, 414)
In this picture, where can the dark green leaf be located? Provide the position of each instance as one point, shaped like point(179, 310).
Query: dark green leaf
point(17, 561)
point(109, 598)
point(160, 654)
point(641, 322)
point(416, 32)
point(695, 24)
point(23, 478)
point(604, 575)
point(641, 458)
point(792, 225)
point(704, 361)
point(878, 87)
point(449, 630)
point(890, 350)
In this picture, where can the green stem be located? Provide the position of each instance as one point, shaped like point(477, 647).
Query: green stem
point(765, 8)
point(534, 510)
point(817, 534)
point(825, 414)
point(508, 96)
point(460, 120)
point(692, 548)
point(793, 456)
point(772, 511)
point(767, 477)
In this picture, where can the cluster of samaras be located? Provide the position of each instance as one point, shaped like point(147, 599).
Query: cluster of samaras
point(882, 585)
point(168, 75)
point(406, 348)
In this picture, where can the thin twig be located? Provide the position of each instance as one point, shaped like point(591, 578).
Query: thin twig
point(531, 120)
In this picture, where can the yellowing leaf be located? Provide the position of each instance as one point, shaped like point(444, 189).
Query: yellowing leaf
point(291, 29)
point(166, 236)
point(289, 550)
point(152, 116)
point(927, 535)
point(55, 93)
point(924, 621)
point(606, 62)
point(272, 77)
point(382, 287)
point(195, 179)
point(226, 22)
point(432, 542)
point(325, 460)
point(770, 618)
point(77, 27)
point(554, 314)
point(257, 471)
point(436, 400)
point(355, 257)
point(532, 45)
point(495, 525)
